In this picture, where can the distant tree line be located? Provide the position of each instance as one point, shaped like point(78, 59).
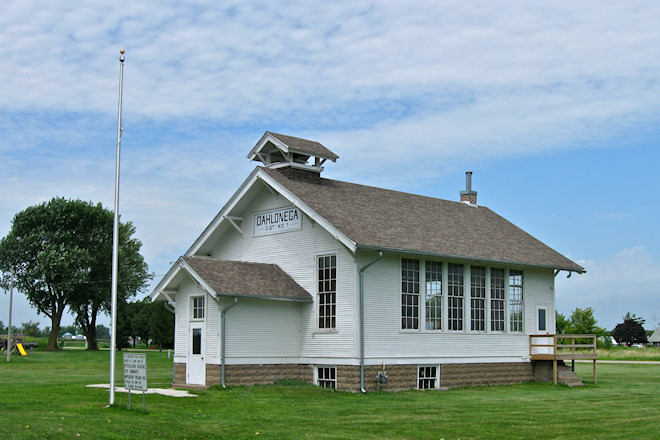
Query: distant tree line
point(582, 321)
point(149, 322)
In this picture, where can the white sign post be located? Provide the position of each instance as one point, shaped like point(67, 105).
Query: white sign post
point(135, 375)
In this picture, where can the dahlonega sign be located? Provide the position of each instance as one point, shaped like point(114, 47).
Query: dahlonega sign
point(278, 220)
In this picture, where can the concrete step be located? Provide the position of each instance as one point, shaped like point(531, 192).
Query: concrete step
point(568, 377)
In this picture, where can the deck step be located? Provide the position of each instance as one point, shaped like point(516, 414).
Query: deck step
point(567, 376)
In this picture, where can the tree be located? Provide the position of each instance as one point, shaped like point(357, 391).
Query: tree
point(582, 322)
point(31, 328)
point(161, 323)
point(630, 331)
point(102, 332)
point(561, 322)
point(88, 299)
point(140, 320)
point(61, 252)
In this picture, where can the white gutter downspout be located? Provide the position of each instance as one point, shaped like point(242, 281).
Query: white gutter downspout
point(222, 341)
point(380, 255)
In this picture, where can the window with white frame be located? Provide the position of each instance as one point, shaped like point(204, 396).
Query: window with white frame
point(455, 296)
point(433, 295)
point(197, 307)
point(515, 300)
point(497, 292)
point(427, 377)
point(409, 294)
point(327, 291)
point(326, 377)
point(478, 298)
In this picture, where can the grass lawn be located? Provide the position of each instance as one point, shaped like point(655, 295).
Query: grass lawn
point(44, 396)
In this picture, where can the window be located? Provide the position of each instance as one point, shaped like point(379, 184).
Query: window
point(327, 290)
point(497, 300)
point(478, 298)
point(326, 377)
point(198, 307)
point(197, 341)
point(427, 377)
point(433, 296)
point(515, 300)
point(409, 294)
point(542, 319)
point(455, 292)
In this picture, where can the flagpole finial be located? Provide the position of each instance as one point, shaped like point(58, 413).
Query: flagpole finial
point(121, 57)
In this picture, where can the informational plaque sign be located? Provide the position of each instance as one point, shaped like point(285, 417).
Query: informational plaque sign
point(135, 371)
point(277, 220)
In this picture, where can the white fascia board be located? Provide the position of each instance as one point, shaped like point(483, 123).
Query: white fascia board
point(195, 276)
point(256, 175)
point(155, 295)
point(215, 223)
point(336, 233)
point(262, 142)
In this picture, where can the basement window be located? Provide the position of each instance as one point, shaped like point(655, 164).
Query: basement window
point(326, 377)
point(427, 377)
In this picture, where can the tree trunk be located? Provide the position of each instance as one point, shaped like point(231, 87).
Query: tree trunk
point(92, 344)
point(54, 330)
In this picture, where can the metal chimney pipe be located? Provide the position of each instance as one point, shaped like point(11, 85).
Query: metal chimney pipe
point(468, 181)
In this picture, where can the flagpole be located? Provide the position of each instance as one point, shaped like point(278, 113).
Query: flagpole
point(115, 240)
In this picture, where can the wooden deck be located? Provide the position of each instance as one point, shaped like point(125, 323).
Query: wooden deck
point(563, 348)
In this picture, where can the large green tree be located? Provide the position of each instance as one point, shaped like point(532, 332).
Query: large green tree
point(61, 252)
point(583, 322)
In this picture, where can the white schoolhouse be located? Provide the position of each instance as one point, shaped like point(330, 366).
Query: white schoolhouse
point(354, 287)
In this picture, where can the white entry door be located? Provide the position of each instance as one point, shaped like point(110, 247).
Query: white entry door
point(196, 369)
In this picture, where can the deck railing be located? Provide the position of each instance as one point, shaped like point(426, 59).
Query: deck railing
point(562, 348)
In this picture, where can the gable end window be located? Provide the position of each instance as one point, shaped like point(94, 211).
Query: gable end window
point(327, 291)
point(409, 294)
point(197, 307)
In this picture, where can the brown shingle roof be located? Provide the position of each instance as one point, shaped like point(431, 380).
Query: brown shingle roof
point(390, 220)
point(305, 146)
point(244, 279)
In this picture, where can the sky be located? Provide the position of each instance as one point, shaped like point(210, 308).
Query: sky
point(554, 106)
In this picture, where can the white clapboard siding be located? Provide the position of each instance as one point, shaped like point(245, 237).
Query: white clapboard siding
point(296, 252)
point(261, 330)
point(384, 339)
point(188, 289)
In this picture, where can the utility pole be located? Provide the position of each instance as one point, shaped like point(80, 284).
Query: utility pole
point(11, 298)
point(115, 239)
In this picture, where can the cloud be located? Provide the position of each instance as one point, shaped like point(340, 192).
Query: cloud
point(614, 285)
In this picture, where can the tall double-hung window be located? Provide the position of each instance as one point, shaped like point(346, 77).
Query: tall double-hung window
point(515, 300)
point(497, 298)
point(327, 291)
point(455, 296)
point(433, 292)
point(478, 298)
point(409, 294)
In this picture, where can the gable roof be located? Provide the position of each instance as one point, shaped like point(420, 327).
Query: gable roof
point(655, 336)
point(292, 144)
point(246, 279)
point(381, 219)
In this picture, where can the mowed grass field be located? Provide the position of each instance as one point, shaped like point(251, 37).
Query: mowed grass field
point(43, 396)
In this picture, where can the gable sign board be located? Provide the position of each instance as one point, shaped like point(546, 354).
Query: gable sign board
point(277, 220)
point(135, 371)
